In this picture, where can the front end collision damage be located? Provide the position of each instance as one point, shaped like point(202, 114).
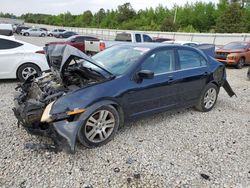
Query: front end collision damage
point(35, 98)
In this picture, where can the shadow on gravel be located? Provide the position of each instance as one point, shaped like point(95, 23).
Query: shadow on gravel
point(6, 81)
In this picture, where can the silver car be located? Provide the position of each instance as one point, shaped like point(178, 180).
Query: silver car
point(34, 32)
point(56, 32)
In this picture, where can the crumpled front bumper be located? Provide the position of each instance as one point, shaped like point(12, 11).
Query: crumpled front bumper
point(63, 133)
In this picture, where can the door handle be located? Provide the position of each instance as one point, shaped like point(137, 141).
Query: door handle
point(170, 78)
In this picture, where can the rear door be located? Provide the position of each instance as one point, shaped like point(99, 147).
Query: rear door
point(11, 53)
point(192, 75)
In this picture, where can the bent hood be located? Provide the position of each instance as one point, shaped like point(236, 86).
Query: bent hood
point(59, 57)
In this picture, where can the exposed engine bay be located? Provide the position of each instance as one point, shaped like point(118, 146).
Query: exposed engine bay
point(68, 74)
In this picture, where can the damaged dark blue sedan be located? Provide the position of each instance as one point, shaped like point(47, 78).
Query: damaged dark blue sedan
point(87, 99)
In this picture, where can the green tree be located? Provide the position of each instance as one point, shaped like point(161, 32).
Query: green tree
point(231, 21)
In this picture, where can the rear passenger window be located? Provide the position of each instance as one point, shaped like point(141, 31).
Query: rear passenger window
point(8, 44)
point(146, 38)
point(138, 38)
point(160, 62)
point(190, 59)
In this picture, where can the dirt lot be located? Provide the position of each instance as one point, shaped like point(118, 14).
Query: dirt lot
point(182, 148)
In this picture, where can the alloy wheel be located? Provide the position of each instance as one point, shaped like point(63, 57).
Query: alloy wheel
point(28, 71)
point(99, 126)
point(210, 98)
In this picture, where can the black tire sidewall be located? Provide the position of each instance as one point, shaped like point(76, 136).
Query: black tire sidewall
point(22, 67)
point(83, 139)
point(200, 106)
point(240, 64)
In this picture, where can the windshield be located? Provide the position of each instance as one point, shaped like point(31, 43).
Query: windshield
point(236, 45)
point(119, 59)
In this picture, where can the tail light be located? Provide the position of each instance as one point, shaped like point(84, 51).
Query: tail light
point(102, 46)
point(40, 52)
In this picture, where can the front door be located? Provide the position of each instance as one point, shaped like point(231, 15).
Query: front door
point(157, 94)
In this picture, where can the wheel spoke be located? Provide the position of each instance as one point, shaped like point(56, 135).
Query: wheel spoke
point(93, 119)
point(90, 133)
point(90, 124)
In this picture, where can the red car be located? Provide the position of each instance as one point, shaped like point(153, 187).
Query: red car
point(76, 41)
point(234, 53)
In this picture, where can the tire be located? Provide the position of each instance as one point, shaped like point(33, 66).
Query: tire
point(42, 35)
point(26, 34)
point(209, 94)
point(96, 128)
point(27, 69)
point(50, 35)
point(241, 63)
point(60, 36)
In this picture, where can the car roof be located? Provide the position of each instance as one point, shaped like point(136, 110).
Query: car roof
point(150, 45)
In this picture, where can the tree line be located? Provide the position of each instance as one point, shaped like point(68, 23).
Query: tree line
point(227, 16)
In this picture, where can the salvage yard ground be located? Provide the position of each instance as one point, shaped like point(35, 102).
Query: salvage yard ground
point(182, 148)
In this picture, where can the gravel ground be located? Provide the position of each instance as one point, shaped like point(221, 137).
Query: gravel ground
point(182, 148)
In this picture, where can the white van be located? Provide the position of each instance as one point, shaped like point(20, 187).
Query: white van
point(6, 29)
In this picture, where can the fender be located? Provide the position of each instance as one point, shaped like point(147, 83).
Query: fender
point(70, 130)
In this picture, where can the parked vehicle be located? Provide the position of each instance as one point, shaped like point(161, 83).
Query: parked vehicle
point(20, 28)
point(95, 47)
point(34, 32)
point(78, 41)
point(234, 53)
point(160, 39)
point(66, 34)
point(55, 32)
point(185, 43)
point(6, 30)
point(89, 98)
point(20, 59)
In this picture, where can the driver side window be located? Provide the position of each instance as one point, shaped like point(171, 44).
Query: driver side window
point(160, 62)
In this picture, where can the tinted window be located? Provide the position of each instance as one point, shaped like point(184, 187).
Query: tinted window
point(123, 37)
point(147, 38)
point(8, 44)
point(61, 30)
point(160, 62)
point(137, 37)
point(190, 59)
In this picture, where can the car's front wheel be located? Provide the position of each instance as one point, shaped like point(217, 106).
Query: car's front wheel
point(100, 127)
point(241, 63)
point(42, 35)
point(26, 34)
point(27, 70)
point(208, 98)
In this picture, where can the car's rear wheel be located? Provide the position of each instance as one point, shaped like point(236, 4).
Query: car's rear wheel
point(27, 70)
point(208, 98)
point(50, 35)
point(60, 36)
point(100, 127)
point(241, 63)
point(42, 35)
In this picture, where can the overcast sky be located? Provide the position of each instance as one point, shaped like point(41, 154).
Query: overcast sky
point(78, 6)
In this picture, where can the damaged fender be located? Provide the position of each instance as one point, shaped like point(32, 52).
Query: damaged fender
point(70, 130)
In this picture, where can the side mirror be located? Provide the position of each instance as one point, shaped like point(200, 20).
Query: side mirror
point(145, 74)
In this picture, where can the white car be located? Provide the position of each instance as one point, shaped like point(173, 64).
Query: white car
point(20, 59)
point(185, 43)
point(56, 32)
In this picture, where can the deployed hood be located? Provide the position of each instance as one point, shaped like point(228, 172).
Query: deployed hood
point(60, 56)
